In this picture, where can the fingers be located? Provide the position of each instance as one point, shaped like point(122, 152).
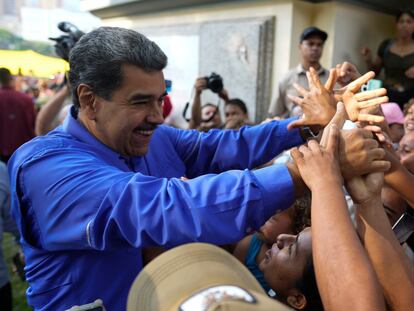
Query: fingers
point(332, 143)
point(371, 143)
point(380, 166)
point(314, 146)
point(330, 83)
point(295, 124)
point(297, 100)
point(310, 80)
point(301, 90)
point(373, 128)
point(370, 94)
point(356, 85)
point(296, 154)
point(376, 154)
point(365, 133)
point(370, 118)
point(373, 102)
point(340, 115)
point(315, 78)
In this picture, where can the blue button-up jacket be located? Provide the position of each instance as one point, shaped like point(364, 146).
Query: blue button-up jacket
point(85, 212)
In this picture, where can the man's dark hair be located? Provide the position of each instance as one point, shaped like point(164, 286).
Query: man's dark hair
point(237, 102)
point(402, 12)
point(97, 57)
point(309, 288)
point(5, 76)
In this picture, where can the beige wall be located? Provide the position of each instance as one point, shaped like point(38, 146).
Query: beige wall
point(349, 27)
point(355, 27)
point(282, 10)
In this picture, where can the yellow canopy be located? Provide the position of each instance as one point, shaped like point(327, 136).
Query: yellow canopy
point(32, 63)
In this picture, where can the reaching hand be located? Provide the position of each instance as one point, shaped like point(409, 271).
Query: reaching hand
point(200, 85)
point(410, 72)
point(355, 101)
point(365, 188)
point(346, 73)
point(338, 119)
point(319, 166)
point(366, 54)
point(360, 154)
point(317, 103)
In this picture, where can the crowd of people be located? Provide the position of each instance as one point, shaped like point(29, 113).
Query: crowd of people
point(106, 194)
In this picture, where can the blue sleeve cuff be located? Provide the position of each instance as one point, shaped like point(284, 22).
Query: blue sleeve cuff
point(277, 188)
point(292, 137)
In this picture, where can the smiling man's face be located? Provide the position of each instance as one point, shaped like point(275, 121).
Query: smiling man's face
point(126, 122)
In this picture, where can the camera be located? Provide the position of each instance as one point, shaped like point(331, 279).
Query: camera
point(65, 43)
point(214, 82)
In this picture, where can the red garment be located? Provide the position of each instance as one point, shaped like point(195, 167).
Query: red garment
point(17, 120)
point(167, 107)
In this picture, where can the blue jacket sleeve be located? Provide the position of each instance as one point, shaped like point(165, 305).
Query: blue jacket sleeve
point(221, 150)
point(82, 203)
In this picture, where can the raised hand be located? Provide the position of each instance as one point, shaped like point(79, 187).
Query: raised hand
point(360, 154)
point(200, 85)
point(346, 73)
point(319, 166)
point(317, 104)
point(338, 119)
point(365, 188)
point(355, 101)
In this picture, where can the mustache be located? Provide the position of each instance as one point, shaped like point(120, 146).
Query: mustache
point(146, 127)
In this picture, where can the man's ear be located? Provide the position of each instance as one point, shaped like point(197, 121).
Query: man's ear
point(296, 299)
point(87, 101)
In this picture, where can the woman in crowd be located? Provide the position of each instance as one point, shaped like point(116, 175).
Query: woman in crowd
point(252, 249)
point(396, 57)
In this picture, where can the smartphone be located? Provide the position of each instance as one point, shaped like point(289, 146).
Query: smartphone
point(372, 84)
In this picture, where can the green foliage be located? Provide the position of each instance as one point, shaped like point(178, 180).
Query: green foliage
point(18, 286)
point(9, 41)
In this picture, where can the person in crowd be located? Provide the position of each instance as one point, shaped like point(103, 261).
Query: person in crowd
point(17, 116)
point(373, 259)
point(205, 117)
point(396, 57)
point(235, 111)
point(49, 116)
point(406, 151)
point(395, 119)
point(409, 116)
point(311, 45)
point(251, 249)
point(6, 225)
point(111, 175)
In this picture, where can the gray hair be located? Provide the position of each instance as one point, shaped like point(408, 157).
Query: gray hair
point(97, 57)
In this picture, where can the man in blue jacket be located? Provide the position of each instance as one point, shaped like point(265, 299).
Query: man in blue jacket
point(89, 195)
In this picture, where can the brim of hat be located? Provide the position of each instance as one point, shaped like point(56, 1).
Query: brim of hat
point(177, 274)
point(263, 303)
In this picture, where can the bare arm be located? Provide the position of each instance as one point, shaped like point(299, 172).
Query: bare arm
point(48, 113)
point(399, 178)
point(195, 120)
point(372, 64)
point(393, 268)
point(335, 243)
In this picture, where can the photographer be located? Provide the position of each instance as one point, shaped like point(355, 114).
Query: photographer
point(206, 117)
point(110, 176)
point(55, 109)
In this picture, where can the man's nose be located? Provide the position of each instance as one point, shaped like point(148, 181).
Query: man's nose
point(156, 114)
